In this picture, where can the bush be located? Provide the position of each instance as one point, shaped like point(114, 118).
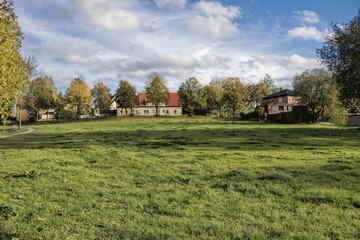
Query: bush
point(66, 114)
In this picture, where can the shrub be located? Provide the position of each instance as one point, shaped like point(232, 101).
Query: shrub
point(66, 114)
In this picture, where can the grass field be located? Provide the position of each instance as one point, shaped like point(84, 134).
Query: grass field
point(162, 178)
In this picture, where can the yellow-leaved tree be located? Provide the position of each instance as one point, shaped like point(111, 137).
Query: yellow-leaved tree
point(78, 96)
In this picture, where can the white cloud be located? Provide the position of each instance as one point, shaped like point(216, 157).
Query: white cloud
point(307, 16)
point(176, 4)
point(110, 14)
point(213, 18)
point(297, 61)
point(307, 33)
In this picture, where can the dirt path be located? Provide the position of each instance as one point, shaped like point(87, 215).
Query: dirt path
point(16, 134)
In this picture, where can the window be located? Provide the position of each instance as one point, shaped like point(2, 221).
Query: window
point(281, 108)
point(280, 100)
point(175, 112)
point(271, 100)
point(167, 111)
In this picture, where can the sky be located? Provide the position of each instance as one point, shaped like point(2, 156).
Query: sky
point(109, 40)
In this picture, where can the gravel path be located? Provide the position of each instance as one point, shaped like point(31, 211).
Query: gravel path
point(16, 134)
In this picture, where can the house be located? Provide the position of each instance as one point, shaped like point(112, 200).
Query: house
point(144, 108)
point(282, 101)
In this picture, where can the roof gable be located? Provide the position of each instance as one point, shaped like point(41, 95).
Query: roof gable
point(285, 92)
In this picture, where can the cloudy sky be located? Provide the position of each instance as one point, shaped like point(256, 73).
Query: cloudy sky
point(109, 40)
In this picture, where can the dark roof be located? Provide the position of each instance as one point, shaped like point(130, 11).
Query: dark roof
point(285, 92)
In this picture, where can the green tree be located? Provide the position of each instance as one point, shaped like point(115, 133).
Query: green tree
point(101, 96)
point(269, 83)
point(13, 78)
point(213, 97)
point(41, 95)
point(126, 96)
point(191, 96)
point(78, 96)
point(156, 91)
point(341, 54)
point(318, 91)
point(235, 94)
point(257, 92)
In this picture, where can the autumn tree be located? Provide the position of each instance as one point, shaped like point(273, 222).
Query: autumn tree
point(257, 92)
point(317, 90)
point(41, 95)
point(126, 96)
point(341, 54)
point(191, 96)
point(13, 77)
point(101, 96)
point(78, 96)
point(235, 94)
point(156, 91)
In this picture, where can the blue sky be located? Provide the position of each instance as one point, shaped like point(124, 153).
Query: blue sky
point(110, 40)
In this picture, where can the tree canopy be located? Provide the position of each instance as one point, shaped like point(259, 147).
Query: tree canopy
point(101, 96)
point(156, 91)
point(317, 90)
point(126, 95)
point(78, 95)
point(13, 78)
point(191, 95)
point(41, 94)
point(235, 94)
point(341, 54)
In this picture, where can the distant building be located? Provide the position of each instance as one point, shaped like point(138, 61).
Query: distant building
point(282, 101)
point(144, 108)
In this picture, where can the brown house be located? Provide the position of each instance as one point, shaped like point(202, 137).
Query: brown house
point(282, 101)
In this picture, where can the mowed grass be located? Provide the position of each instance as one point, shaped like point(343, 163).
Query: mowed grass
point(183, 178)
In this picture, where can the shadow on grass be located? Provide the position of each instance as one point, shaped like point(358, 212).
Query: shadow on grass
point(260, 138)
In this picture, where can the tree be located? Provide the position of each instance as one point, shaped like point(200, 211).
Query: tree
point(213, 98)
point(78, 95)
point(31, 66)
point(191, 95)
point(317, 90)
point(156, 91)
point(235, 94)
point(101, 96)
point(257, 92)
point(41, 95)
point(126, 96)
point(13, 77)
point(341, 54)
point(269, 83)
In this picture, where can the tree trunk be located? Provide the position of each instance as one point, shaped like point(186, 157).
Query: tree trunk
point(37, 116)
point(234, 111)
point(157, 110)
point(20, 118)
point(4, 125)
point(47, 115)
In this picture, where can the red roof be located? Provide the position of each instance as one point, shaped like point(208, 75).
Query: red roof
point(173, 101)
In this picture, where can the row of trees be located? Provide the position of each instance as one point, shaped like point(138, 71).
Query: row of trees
point(224, 96)
point(319, 89)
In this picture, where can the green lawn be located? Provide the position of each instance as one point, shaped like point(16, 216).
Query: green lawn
point(162, 178)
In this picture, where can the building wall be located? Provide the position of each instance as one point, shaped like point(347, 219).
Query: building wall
point(281, 104)
point(150, 111)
